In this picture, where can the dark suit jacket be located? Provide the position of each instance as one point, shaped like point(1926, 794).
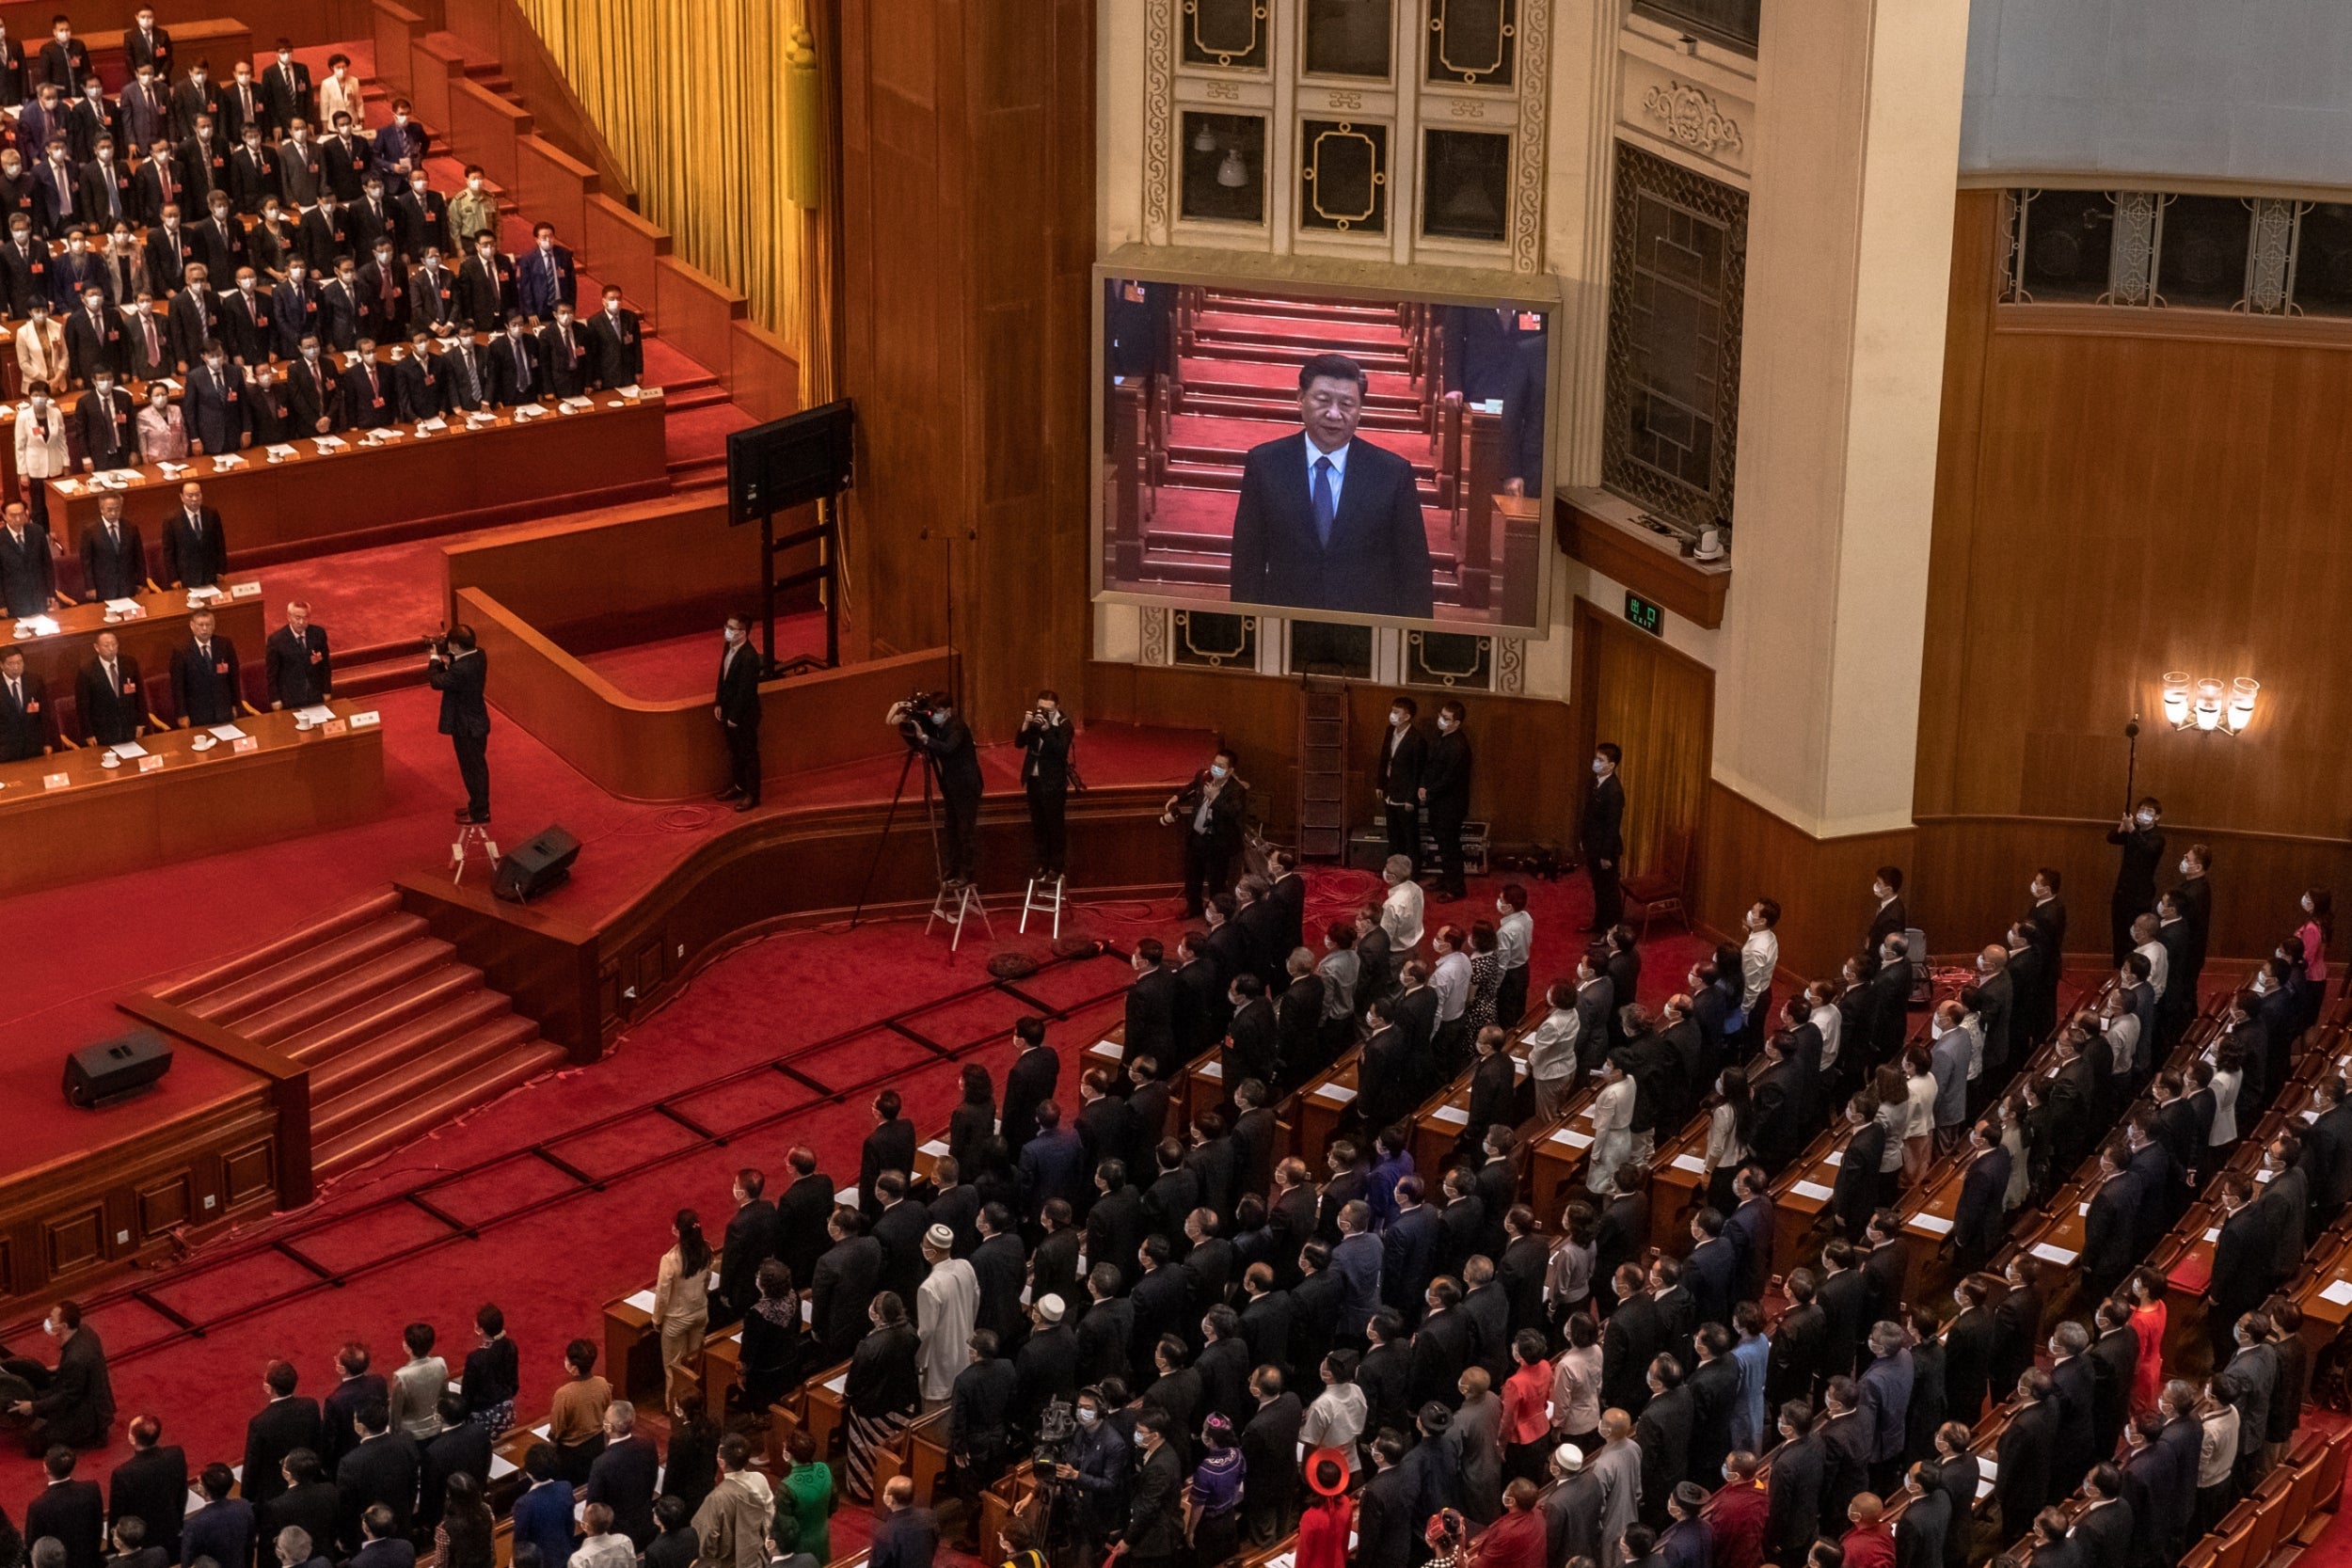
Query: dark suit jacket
point(1600, 835)
point(1397, 773)
point(465, 1448)
point(188, 563)
point(74, 1514)
point(301, 671)
point(380, 1470)
point(624, 1478)
point(276, 1430)
point(618, 348)
point(151, 1487)
point(205, 693)
point(1377, 561)
point(460, 682)
point(24, 731)
point(2022, 1483)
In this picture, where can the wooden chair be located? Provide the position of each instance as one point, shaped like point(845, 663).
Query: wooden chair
point(2329, 1490)
point(1649, 895)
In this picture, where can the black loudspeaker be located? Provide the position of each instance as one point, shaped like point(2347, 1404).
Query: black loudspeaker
point(530, 869)
point(116, 1068)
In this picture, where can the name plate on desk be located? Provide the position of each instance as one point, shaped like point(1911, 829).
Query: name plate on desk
point(55, 781)
point(243, 744)
point(150, 763)
point(366, 720)
point(336, 726)
point(245, 590)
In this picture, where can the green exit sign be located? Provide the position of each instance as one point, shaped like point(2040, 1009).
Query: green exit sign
point(1645, 614)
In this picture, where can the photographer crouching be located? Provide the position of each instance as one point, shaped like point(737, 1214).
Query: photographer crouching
point(459, 671)
point(929, 723)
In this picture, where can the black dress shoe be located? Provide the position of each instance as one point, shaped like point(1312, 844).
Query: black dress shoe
point(463, 814)
point(746, 803)
point(729, 793)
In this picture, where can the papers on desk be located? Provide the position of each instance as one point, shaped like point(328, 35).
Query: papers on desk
point(574, 405)
point(227, 732)
point(2083, 1209)
point(1454, 1116)
point(839, 1384)
point(936, 1147)
point(318, 713)
point(501, 1467)
point(2264, 1174)
point(1335, 1094)
point(1112, 1049)
point(808, 1308)
point(437, 423)
point(643, 1301)
point(1213, 1071)
point(1812, 1190)
point(174, 470)
point(528, 411)
point(329, 443)
point(227, 461)
point(128, 750)
point(198, 598)
point(125, 608)
point(1691, 1163)
point(1569, 1137)
point(846, 1197)
point(279, 452)
point(1937, 1224)
point(1835, 1157)
point(632, 391)
point(68, 486)
point(1987, 1473)
point(2339, 1293)
point(2050, 1254)
point(114, 479)
point(35, 626)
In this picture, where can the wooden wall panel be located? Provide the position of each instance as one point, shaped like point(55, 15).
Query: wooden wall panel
point(633, 573)
point(2122, 492)
point(1515, 743)
point(553, 186)
point(696, 314)
point(621, 247)
point(397, 30)
point(965, 326)
point(1824, 885)
point(1658, 708)
point(766, 379)
point(434, 71)
point(486, 129)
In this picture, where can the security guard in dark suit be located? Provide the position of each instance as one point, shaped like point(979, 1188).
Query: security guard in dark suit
point(459, 671)
point(737, 708)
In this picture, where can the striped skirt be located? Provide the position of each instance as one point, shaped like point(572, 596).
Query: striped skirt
point(868, 1437)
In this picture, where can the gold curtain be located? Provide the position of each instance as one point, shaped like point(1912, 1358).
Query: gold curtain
point(691, 96)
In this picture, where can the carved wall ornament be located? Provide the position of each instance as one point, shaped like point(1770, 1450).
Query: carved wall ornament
point(1693, 119)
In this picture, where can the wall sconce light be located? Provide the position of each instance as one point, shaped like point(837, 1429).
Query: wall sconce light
point(2209, 705)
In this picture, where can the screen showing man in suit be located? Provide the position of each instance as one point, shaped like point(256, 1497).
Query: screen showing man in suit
point(1340, 458)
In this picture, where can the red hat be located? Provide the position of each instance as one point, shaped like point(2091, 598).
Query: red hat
point(1326, 1471)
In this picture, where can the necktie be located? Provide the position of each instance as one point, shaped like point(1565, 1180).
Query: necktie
point(522, 369)
point(113, 681)
point(146, 320)
point(16, 693)
point(1326, 507)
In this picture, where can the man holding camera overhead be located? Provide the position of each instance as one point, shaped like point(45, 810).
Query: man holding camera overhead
point(459, 671)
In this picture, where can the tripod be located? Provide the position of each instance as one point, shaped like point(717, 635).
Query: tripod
point(951, 905)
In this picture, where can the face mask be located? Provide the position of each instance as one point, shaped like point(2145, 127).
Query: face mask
point(1089, 1417)
point(1215, 772)
point(474, 184)
point(104, 387)
point(400, 120)
point(294, 275)
point(1396, 721)
point(245, 284)
point(311, 354)
point(732, 635)
point(2184, 868)
point(2146, 820)
point(213, 365)
point(1600, 767)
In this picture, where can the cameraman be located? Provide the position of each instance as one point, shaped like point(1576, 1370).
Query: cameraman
point(1045, 738)
point(458, 670)
point(930, 726)
point(1212, 809)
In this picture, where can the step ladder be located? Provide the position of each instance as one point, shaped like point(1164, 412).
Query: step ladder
point(474, 843)
point(956, 903)
point(1039, 903)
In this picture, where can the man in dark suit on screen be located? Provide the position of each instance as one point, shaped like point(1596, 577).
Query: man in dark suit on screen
point(459, 671)
point(737, 708)
point(1326, 521)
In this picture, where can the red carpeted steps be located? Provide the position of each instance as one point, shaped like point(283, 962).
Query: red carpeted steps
point(398, 1035)
point(379, 667)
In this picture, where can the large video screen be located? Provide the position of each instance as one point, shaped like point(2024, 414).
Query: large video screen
point(1323, 456)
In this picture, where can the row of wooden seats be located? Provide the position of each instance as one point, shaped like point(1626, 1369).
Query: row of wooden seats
point(2294, 1503)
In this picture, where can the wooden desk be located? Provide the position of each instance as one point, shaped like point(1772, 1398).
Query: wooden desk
point(147, 640)
point(921, 1456)
point(1678, 1185)
point(106, 820)
point(1556, 1156)
point(275, 511)
point(632, 1349)
point(825, 1412)
point(1323, 1101)
point(1800, 1195)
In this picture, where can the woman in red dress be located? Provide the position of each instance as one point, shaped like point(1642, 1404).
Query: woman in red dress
point(2147, 1297)
point(1327, 1522)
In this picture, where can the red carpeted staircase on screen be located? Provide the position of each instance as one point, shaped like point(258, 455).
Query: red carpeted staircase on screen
point(397, 1033)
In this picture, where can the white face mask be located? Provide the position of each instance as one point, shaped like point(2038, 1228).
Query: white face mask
point(474, 184)
point(732, 635)
point(1397, 721)
point(2146, 820)
point(2184, 867)
point(1216, 771)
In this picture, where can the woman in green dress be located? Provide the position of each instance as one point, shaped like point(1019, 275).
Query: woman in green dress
point(804, 1501)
